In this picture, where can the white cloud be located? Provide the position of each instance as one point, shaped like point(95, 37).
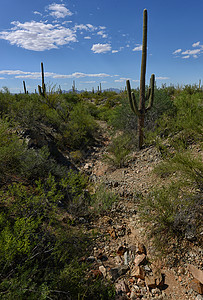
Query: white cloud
point(196, 44)
point(80, 75)
point(87, 27)
point(91, 27)
point(187, 56)
point(177, 51)
point(37, 75)
point(102, 34)
point(118, 80)
point(37, 13)
point(102, 27)
point(38, 36)
point(12, 72)
point(59, 10)
point(125, 78)
point(101, 48)
point(87, 37)
point(162, 78)
point(2, 78)
point(138, 48)
point(114, 51)
point(88, 82)
point(190, 53)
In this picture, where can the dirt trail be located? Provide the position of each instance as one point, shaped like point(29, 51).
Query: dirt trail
point(122, 238)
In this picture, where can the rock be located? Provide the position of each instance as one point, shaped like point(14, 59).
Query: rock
point(113, 233)
point(102, 257)
point(121, 250)
point(121, 231)
point(121, 287)
point(197, 273)
point(88, 166)
point(96, 273)
point(118, 260)
point(90, 259)
point(197, 286)
point(141, 249)
point(139, 259)
point(138, 272)
point(147, 268)
point(114, 273)
point(103, 270)
point(150, 281)
point(117, 272)
point(122, 270)
point(127, 258)
point(158, 276)
point(199, 297)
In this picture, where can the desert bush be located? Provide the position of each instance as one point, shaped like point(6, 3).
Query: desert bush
point(189, 168)
point(11, 150)
point(81, 128)
point(103, 199)
point(119, 150)
point(39, 257)
point(168, 212)
point(182, 123)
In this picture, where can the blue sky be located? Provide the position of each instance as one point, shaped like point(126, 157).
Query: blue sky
point(99, 41)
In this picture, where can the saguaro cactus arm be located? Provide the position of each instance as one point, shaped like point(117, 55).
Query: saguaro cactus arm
point(132, 100)
point(151, 95)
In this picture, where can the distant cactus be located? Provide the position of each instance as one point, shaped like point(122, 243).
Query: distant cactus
point(140, 110)
point(24, 86)
point(73, 86)
point(42, 89)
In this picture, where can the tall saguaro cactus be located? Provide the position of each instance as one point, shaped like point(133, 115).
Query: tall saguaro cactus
point(42, 89)
point(141, 110)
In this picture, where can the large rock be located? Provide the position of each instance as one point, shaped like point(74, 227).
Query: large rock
point(197, 286)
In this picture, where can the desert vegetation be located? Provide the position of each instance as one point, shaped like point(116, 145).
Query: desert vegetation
point(43, 195)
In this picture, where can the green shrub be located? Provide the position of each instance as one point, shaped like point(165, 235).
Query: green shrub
point(39, 256)
point(183, 122)
point(11, 150)
point(188, 167)
point(119, 150)
point(81, 128)
point(102, 199)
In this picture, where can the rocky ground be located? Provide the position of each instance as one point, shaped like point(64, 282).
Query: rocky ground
point(122, 249)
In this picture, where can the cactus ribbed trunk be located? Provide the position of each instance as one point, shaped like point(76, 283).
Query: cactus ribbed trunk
point(142, 81)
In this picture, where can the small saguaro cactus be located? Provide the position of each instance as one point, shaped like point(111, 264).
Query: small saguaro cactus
point(73, 86)
point(42, 89)
point(141, 110)
point(24, 86)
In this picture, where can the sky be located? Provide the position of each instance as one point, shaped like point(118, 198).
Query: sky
point(99, 41)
